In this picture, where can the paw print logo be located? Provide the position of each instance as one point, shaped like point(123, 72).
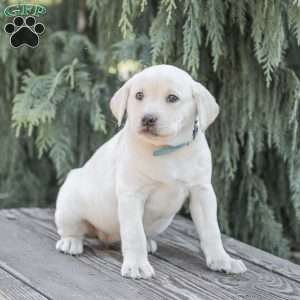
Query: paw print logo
point(24, 32)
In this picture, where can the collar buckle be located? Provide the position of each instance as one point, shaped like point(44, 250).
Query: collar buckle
point(196, 129)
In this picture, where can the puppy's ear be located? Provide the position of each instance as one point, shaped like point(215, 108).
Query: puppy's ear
point(207, 108)
point(118, 102)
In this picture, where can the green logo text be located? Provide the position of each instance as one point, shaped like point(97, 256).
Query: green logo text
point(25, 10)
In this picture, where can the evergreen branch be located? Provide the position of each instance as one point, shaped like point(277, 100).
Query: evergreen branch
point(124, 23)
point(170, 7)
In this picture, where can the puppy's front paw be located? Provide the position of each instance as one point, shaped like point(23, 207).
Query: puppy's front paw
point(137, 270)
point(226, 264)
point(68, 245)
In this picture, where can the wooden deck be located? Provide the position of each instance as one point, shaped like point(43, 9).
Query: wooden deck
point(31, 268)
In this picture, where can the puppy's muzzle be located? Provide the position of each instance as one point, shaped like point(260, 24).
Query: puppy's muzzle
point(149, 121)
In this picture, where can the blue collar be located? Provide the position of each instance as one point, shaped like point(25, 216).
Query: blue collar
point(169, 149)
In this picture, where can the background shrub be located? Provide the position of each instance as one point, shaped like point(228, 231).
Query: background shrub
point(54, 99)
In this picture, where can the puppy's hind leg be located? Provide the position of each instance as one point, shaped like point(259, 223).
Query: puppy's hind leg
point(151, 246)
point(71, 230)
point(70, 225)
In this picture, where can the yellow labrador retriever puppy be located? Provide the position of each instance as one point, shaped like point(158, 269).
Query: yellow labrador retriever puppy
point(133, 185)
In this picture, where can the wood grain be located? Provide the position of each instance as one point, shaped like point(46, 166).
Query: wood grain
point(181, 272)
point(12, 288)
point(256, 282)
point(246, 252)
point(96, 274)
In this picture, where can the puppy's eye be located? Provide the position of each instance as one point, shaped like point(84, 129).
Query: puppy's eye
point(139, 96)
point(172, 98)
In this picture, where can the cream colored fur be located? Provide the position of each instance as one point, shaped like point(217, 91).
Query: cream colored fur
point(126, 193)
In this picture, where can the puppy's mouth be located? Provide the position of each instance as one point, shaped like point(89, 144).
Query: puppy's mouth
point(153, 133)
point(149, 131)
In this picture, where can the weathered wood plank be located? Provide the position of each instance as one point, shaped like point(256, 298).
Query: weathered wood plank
point(183, 277)
point(182, 251)
point(13, 288)
point(257, 282)
point(60, 277)
point(94, 275)
point(246, 252)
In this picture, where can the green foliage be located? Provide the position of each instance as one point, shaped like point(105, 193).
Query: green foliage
point(55, 99)
point(163, 34)
point(192, 36)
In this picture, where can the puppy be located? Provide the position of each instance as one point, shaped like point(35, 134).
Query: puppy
point(132, 187)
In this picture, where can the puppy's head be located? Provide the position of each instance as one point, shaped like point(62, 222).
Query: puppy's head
point(162, 102)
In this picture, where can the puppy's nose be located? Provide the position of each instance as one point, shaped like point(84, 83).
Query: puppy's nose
point(149, 120)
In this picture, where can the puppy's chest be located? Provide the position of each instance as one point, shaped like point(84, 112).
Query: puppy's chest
point(165, 200)
point(176, 171)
